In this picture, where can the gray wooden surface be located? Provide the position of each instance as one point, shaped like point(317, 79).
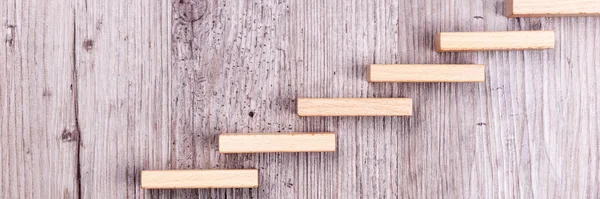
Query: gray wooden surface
point(92, 92)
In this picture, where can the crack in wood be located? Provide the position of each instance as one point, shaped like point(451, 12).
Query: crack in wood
point(75, 92)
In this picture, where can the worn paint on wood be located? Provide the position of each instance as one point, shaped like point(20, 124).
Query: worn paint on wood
point(154, 83)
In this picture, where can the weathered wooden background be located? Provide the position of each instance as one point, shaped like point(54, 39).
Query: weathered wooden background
point(93, 91)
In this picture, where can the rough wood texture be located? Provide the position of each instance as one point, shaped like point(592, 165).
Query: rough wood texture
point(84, 97)
point(484, 41)
point(530, 131)
point(552, 8)
point(426, 73)
point(279, 142)
point(196, 179)
point(354, 107)
point(39, 132)
point(123, 67)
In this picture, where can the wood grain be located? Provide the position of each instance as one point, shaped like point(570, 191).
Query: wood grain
point(426, 73)
point(161, 80)
point(552, 8)
point(354, 107)
point(197, 179)
point(39, 131)
point(278, 142)
point(124, 70)
point(486, 41)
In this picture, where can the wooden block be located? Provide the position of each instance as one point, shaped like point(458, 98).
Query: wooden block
point(426, 73)
point(355, 107)
point(195, 179)
point(482, 41)
point(552, 8)
point(276, 142)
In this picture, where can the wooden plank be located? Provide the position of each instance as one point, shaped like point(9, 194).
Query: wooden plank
point(426, 73)
point(552, 8)
point(354, 107)
point(39, 135)
point(198, 179)
point(277, 142)
point(486, 41)
point(123, 55)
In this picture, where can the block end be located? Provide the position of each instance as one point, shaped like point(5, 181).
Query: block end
point(299, 109)
point(369, 73)
point(438, 40)
point(509, 9)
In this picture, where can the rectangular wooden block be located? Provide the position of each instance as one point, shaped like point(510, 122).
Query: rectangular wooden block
point(195, 179)
point(426, 73)
point(484, 41)
point(354, 107)
point(276, 142)
point(552, 8)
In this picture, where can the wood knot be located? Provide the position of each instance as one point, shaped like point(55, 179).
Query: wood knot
point(88, 44)
point(10, 35)
point(69, 135)
point(289, 183)
point(47, 93)
point(536, 25)
point(190, 10)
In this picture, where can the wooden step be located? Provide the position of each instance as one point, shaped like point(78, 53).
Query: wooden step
point(354, 107)
point(486, 41)
point(552, 8)
point(196, 179)
point(426, 73)
point(277, 142)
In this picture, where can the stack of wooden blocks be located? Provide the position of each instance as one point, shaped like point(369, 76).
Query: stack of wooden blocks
point(326, 142)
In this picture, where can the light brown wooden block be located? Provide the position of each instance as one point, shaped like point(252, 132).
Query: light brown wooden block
point(426, 73)
point(195, 179)
point(483, 41)
point(354, 107)
point(276, 142)
point(552, 8)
